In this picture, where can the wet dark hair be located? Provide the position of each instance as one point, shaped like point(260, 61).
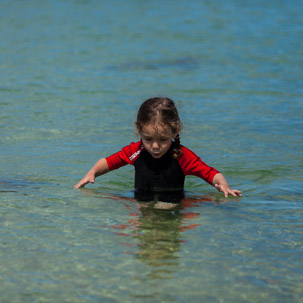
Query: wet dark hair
point(163, 111)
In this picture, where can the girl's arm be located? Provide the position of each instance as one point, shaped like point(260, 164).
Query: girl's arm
point(100, 168)
point(221, 185)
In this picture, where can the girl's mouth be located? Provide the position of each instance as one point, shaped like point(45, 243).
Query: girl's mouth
point(156, 154)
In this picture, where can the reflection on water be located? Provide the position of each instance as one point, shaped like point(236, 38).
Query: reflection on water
point(156, 228)
point(160, 227)
point(159, 239)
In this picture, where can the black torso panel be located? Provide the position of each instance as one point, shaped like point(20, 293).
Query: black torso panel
point(158, 174)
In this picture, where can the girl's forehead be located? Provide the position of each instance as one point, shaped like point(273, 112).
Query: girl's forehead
point(156, 129)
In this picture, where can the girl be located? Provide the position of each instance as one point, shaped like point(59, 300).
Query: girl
point(161, 162)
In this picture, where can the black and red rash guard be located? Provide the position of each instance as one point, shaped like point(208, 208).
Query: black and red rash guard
point(166, 173)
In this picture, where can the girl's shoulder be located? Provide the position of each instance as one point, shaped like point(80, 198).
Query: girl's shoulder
point(134, 150)
point(127, 155)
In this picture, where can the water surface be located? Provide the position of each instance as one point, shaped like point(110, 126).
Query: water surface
point(73, 74)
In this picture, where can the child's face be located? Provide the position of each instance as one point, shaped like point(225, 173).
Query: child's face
point(157, 139)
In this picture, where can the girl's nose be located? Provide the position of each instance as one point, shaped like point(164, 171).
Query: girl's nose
point(155, 145)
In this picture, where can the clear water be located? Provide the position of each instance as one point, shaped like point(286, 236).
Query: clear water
point(73, 74)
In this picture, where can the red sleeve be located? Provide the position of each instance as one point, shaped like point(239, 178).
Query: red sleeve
point(127, 155)
point(191, 164)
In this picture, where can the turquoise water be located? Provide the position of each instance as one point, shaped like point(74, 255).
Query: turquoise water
point(73, 74)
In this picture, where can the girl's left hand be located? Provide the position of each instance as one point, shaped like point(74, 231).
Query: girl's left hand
point(227, 190)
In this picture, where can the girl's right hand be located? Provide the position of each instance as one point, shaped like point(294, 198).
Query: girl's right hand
point(100, 168)
point(89, 178)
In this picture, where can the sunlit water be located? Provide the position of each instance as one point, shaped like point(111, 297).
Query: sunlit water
point(73, 74)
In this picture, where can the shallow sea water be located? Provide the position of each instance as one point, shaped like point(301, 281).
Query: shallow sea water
point(73, 74)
